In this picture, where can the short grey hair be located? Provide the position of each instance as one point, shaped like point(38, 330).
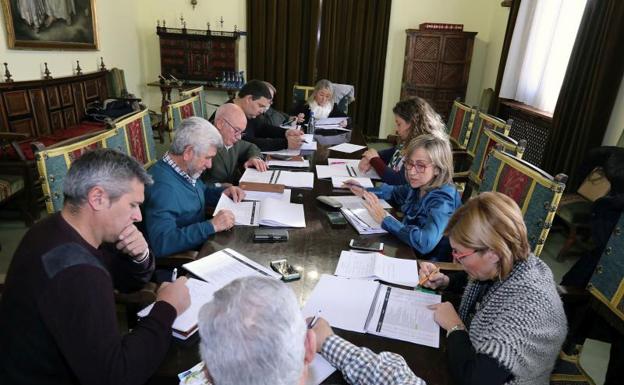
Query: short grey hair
point(198, 133)
point(110, 169)
point(253, 332)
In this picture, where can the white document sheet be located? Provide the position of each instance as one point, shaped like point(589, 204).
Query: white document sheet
point(319, 370)
point(185, 324)
point(347, 147)
point(278, 213)
point(338, 181)
point(310, 145)
point(330, 121)
point(403, 315)
point(377, 266)
point(246, 213)
point(355, 202)
point(288, 178)
point(339, 162)
point(226, 265)
point(344, 303)
point(332, 127)
point(283, 152)
point(289, 163)
point(261, 195)
point(362, 221)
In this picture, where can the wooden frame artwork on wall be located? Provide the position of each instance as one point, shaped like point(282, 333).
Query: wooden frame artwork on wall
point(51, 24)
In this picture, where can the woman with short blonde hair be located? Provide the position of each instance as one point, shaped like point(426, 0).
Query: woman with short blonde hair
point(320, 103)
point(427, 200)
point(511, 322)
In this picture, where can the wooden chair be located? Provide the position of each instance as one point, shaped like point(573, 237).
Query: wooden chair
point(139, 137)
point(535, 191)
point(197, 91)
point(178, 111)
point(301, 94)
point(481, 121)
point(460, 123)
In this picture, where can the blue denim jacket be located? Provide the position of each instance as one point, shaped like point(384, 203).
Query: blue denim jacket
point(425, 218)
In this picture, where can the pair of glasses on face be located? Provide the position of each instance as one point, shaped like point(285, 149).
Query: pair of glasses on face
point(458, 256)
point(237, 131)
point(420, 167)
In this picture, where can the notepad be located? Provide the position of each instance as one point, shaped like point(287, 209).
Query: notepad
point(347, 147)
point(288, 178)
point(267, 212)
point(289, 163)
point(362, 221)
point(353, 163)
point(370, 307)
point(224, 266)
point(377, 266)
point(356, 202)
point(338, 181)
point(185, 325)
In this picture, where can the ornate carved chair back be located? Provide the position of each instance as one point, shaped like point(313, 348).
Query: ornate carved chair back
point(481, 121)
point(487, 140)
point(460, 123)
point(607, 282)
point(54, 161)
point(181, 110)
point(139, 136)
point(197, 91)
point(301, 94)
point(535, 191)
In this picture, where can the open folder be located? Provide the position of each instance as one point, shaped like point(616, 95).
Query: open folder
point(267, 212)
point(288, 178)
point(358, 216)
point(377, 266)
point(370, 307)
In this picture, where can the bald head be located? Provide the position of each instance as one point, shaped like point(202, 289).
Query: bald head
point(231, 122)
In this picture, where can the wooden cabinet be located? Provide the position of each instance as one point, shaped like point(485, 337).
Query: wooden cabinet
point(437, 65)
point(196, 54)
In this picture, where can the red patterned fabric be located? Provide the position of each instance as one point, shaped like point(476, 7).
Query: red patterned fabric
point(73, 155)
point(187, 110)
point(514, 184)
point(134, 131)
point(457, 123)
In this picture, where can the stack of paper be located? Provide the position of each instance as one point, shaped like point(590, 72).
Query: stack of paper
point(347, 147)
point(308, 143)
point(268, 212)
point(342, 164)
point(338, 181)
point(261, 195)
point(185, 325)
point(370, 307)
point(330, 124)
point(289, 163)
point(283, 153)
point(362, 221)
point(356, 202)
point(377, 266)
point(287, 178)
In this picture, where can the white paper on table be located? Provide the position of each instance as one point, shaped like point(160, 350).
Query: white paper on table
point(338, 181)
point(310, 145)
point(347, 147)
point(261, 195)
point(362, 221)
point(356, 202)
point(200, 293)
point(344, 303)
point(246, 213)
point(339, 162)
point(319, 370)
point(289, 163)
point(284, 152)
point(347, 170)
point(278, 213)
point(403, 315)
point(332, 127)
point(377, 266)
point(194, 376)
point(288, 178)
point(330, 121)
point(224, 266)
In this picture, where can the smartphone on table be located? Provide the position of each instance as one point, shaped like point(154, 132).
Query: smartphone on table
point(366, 244)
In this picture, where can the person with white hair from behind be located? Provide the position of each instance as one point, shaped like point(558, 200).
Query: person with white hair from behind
point(253, 333)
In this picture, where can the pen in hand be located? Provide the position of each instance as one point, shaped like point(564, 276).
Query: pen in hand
point(426, 278)
point(314, 320)
point(174, 275)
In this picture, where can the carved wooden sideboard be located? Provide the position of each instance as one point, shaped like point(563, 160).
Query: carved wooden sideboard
point(437, 65)
point(42, 107)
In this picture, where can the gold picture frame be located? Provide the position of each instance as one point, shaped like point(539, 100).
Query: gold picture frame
point(51, 24)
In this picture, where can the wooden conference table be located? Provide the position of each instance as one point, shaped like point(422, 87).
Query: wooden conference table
point(314, 249)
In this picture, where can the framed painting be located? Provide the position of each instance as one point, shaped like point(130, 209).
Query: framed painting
point(51, 24)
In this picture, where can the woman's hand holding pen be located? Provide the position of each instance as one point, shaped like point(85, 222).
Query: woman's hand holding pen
point(430, 277)
point(354, 187)
point(364, 165)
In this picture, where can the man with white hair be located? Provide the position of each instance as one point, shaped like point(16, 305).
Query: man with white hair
point(253, 333)
point(175, 205)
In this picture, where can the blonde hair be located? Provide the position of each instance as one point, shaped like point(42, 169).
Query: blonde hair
point(492, 221)
point(420, 116)
point(322, 84)
point(439, 151)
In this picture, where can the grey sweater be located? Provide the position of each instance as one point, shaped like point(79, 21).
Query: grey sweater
point(226, 164)
point(519, 321)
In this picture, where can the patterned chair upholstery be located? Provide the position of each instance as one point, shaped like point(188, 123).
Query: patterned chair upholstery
point(178, 111)
point(197, 91)
point(481, 121)
point(535, 191)
point(139, 137)
point(460, 122)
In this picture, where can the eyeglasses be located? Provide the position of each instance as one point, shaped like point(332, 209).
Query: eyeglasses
point(419, 166)
point(457, 255)
point(237, 131)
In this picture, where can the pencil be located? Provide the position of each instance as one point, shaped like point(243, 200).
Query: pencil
point(426, 278)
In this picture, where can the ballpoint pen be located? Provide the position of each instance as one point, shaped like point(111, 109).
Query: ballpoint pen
point(314, 320)
point(174, 275)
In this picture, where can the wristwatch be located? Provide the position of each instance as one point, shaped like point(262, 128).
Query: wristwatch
point(455, 328)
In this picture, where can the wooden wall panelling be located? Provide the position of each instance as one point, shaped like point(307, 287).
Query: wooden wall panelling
point(37, 100)
point(70, 117)
point(81, 102)
point(56, 120)
point(16, 103)
point(53, 97)
point(25, 126)
point(66, 95)
point(91, 89)
point(3, 118)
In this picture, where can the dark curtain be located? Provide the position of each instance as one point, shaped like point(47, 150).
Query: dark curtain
point(589, 88)
point(352, 50)
point(280, 47)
